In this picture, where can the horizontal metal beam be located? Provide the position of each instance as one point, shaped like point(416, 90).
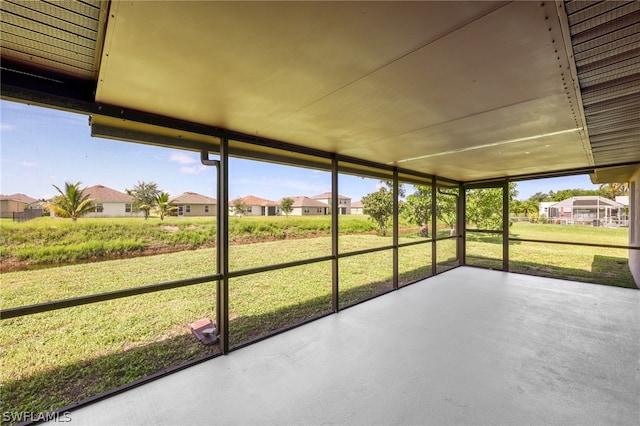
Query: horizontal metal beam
point(80, 103)
point(117, 294)
point(555, 173)
point(365, 251)
point(102, 297)
point(486, 231)
point(269, 268)
point(415, 243)
point(451, 237)
point(613, 246)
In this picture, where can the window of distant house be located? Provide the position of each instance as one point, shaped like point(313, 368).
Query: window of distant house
point(206, 208)
point(187, 209)
point(99, 208)
point(249, 209)
point(318, 209)
point(306, 209)
point(127, 208)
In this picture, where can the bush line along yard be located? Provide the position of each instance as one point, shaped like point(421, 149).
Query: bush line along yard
point(120, 341)
point(50, 241)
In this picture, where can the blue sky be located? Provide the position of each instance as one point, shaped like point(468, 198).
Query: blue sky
point(41, 147)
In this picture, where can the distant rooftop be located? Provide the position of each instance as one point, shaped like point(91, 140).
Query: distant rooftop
point(20, 198)
point(101, 193)
point(590, 200)
point(252, 200)
point(193, 198)
point(303, 201)
point(328, 195)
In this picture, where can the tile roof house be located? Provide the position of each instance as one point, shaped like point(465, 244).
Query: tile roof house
point(110, 203)
point(356, 207)
point(306, 206)
point(344, 203)
point(194, 204)
point(257, 206)
point(17, 203)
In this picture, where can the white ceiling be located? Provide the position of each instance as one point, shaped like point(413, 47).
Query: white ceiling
point(467, 90)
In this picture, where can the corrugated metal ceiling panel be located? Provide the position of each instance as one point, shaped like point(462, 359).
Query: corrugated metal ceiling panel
point(60, 37)
point(606, 43)
point(53, 16)
point(616, 14)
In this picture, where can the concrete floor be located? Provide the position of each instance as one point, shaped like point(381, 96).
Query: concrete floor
point(467, 347)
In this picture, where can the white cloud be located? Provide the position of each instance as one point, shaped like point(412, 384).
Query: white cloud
point(5, 126)
point(28, 163)
point(193, 170)
point(182, 158)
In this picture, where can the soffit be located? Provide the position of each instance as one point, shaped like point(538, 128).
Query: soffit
point(62, 38)
point(620, 174)
point(469, 90)
point(606, 43)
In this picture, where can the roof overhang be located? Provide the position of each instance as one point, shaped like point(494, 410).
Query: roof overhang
point(620, 174)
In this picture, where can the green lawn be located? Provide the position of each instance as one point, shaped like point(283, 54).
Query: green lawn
point(588, 264)
point(571, 233)
point(56, 358)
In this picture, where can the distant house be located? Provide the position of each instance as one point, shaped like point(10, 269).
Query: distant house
point(17, 203)
point(623, 199)
point(344, 203)
point(257, 206)
point(543, 208)
point(194, 204)
point(110, 203)
point(587, 210)
point(356, 207)
point(306, 206)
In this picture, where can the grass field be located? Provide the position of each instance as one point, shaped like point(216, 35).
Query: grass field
point(607, 266)
point(56, 358)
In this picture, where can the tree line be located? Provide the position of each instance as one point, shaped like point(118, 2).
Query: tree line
point(483, 206)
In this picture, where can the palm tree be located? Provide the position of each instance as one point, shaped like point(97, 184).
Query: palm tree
point(72, 202)
point(163, 205)
point(516, 207)
point(615, 189)
point(527, 207)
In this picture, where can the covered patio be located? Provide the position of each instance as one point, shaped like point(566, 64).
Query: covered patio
point(453, 96)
